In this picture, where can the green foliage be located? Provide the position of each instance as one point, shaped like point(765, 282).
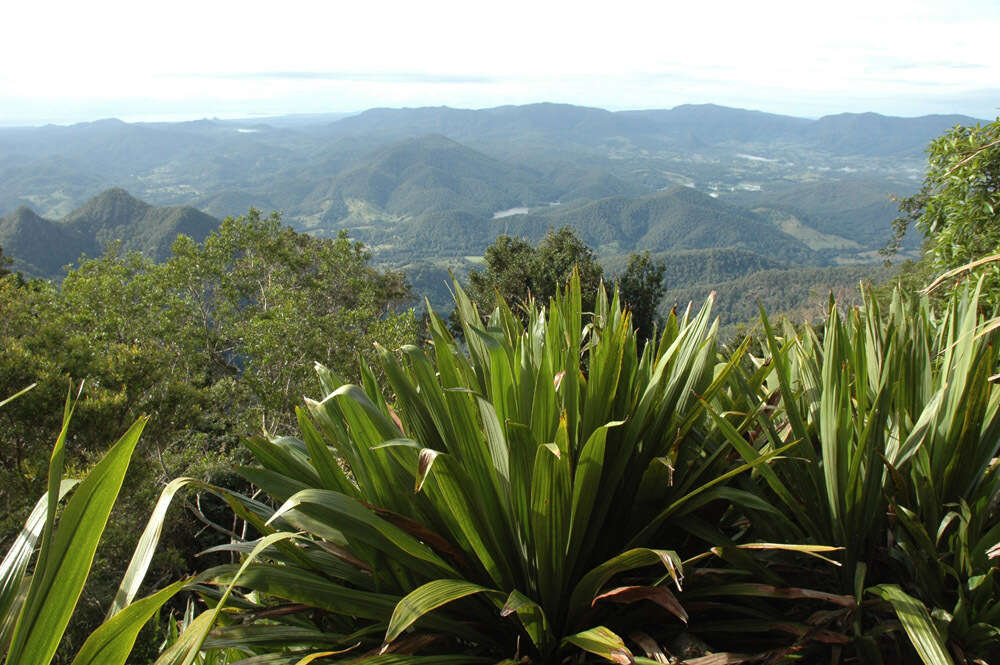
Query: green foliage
point(896, 429)
point(701, 266)
point(679, 218)
point(958, 208)
point(642, 288)
point(525, 500)
point(856, 208)
point(4, 262)
point(211, 343)
point(35, 610)
point(254, 285)
point(518, 272)
point(800, 293)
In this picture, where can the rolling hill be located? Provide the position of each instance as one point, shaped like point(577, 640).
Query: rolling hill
point(857, 208)
point(41, 247)
point(432, 173)
point(678, 218)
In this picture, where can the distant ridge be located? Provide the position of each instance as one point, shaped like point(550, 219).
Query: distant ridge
point(694, 124)
point(41, 247)
point(117, 215)
point(678, 218)
point(433, 173)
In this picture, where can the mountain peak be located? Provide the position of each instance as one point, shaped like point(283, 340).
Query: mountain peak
point(108, 208)
point(23, 212)
point(38, 245)
point(18, 223)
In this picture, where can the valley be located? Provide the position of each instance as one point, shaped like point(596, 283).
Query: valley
point(428, 189)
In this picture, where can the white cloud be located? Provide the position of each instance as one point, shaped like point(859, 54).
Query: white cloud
point(780, 55)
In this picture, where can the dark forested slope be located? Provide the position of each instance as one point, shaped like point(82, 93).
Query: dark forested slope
point(41, 247)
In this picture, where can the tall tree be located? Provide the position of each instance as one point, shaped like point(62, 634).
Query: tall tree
point(642, 288)
point(4, 262)
point(218, 339)
point(518, 272)
point(958, 207)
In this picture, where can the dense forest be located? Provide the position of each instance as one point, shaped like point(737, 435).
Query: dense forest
point(563, 462)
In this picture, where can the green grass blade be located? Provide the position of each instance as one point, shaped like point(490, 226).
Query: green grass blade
point(299, 586)
point(602, 642)
point(7, 400)
point(145, 549)
point(178, 650)
point(66, 562)
point(590, 585)
point(917, 623)
point(586, 482)
point(551, 494)
point(15, 564)
point(112, 642)
point(199, 628)
point(532, 617)
point(358, 522)
point(427, 598)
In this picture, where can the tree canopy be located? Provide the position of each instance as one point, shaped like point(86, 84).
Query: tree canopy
point(214, 343)
point(518, 272)
point(958, 208)
point(642, 288)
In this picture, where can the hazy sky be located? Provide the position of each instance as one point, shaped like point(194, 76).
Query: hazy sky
point(75, 61)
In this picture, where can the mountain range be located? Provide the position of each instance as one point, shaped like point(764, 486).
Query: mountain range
point(42, 247)
point(428, 189)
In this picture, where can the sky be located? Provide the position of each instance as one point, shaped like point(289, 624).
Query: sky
point(65, 62)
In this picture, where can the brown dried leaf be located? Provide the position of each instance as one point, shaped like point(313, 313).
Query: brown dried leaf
point(657, 594)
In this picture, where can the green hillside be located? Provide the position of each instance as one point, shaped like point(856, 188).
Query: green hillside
point(873, 133)
point(800, 291)
point(857, 208)
point(41, 247)
point(701, 266)
point(116, 215)
point(432, 173)
point(232, 203)
point(679, 218)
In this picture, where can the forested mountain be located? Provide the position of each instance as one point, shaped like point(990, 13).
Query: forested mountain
point(292, 164)
point(702, 266)
point(690, 124)
point(41, 247)
point(428, 189)
point(801, 293)
point(853, 207)
point(675, 219)
point(875, 134)
point(38, 246)
point(432, 173)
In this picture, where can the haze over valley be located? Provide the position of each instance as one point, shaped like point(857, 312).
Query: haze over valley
point(427, 189)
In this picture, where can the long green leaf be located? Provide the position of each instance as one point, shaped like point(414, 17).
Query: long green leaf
point(65, 564)
point(427, 598)
point(360, 523)
point(590, 585)
point(194, 635)
point(602, 642)
point(191, 638)
point(10, 399)
point(145, 549)
point(15, 564)
point(917, 623)
point(113, 640)
point(532, 617)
